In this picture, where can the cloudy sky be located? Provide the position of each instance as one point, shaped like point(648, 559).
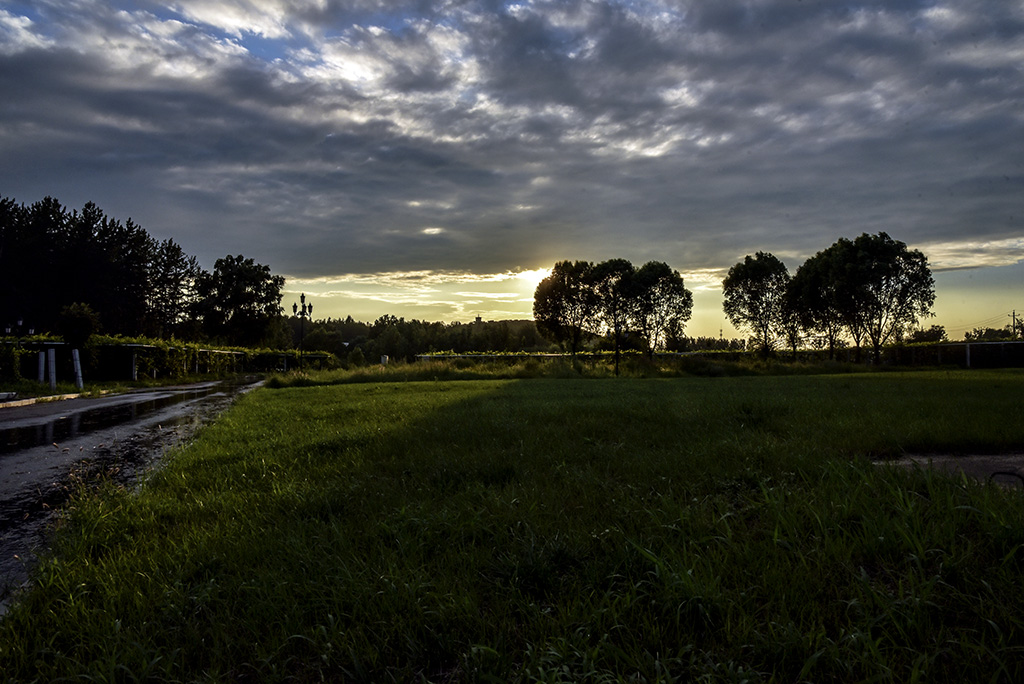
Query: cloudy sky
point(428, 159)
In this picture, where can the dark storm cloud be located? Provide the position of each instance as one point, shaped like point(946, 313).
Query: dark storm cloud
point(481, 136)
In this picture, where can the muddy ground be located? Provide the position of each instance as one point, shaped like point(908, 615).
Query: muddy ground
point(48, 449)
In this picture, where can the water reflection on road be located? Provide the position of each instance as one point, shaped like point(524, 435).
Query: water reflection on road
point(44, 447)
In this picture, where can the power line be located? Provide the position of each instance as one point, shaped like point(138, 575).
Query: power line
point(986, 323)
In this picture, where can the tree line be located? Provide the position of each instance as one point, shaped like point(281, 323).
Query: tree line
point(401, 339)
point(72, 270)
point(867, 291)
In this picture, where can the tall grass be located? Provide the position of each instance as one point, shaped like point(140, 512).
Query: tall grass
point(709, 529)
point(516, 367)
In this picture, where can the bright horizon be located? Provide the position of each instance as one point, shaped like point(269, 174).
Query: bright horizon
point(509, 296)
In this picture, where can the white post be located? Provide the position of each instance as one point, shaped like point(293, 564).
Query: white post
point(77, 360)
point(42, 367)
point(51, 361)
point(135, 366)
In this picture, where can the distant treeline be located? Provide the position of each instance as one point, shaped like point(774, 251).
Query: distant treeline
point(398, 338)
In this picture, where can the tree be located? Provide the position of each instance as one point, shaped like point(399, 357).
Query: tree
point(614, 286)
point(239, 301)
point(78, 322)
point(935, 333)
point(172, 289)
point(755, 293)
point(32, 246)
point(791, 327)
point(889, 286)
point(990, 334)
point(813, 295)
point(15, 245)
point(120, 271)
point(565, 303)
point(661, 304)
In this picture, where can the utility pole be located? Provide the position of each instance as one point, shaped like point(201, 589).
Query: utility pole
point(1013, 317)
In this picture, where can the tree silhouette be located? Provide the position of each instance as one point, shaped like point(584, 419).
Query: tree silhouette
point(891, 287)
point(813, 295)
point(565, 303)
point(615, 286)
point(239, 301)
point(755, 294)
point(661, 304)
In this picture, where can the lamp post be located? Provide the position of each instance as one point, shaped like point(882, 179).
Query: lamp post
point(303, 313)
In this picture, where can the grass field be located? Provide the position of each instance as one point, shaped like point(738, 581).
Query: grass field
point(552, 530)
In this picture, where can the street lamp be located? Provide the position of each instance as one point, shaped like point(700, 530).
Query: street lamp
point(306, 311)
point(19, 329)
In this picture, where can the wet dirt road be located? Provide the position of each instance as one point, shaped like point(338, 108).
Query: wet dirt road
point(46, 448)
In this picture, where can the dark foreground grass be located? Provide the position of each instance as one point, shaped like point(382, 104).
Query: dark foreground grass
point(728, 529)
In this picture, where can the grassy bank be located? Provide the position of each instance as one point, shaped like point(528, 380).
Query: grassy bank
point(717, 529)
point(515, 367)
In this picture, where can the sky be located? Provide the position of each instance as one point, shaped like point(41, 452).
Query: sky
point(431, 158)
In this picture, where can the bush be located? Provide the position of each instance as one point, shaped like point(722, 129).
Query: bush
point(356, 358)
point(78, 322)
point(10, 361)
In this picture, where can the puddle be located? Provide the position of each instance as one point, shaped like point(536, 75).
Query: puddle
point(63, 427)
point(1006, 470)
point(46, 451)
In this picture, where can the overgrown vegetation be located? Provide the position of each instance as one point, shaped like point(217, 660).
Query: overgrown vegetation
point(109, 359)
point(593, 365)
point(701, 529)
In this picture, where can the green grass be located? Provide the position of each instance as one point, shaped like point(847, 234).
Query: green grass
point(696, 529)
point(27, 389)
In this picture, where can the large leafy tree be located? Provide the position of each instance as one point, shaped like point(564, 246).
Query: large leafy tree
point(814, 298)
point(615, 287)
point(661, 304)
point(240, 302)
point(565, 303)
point(888, 286)
point(755, 298)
